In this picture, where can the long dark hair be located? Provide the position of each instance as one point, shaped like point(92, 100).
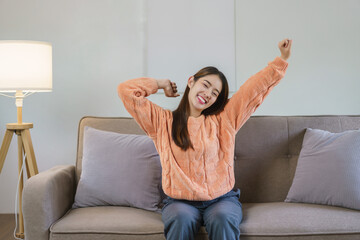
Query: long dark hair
point(179, 131)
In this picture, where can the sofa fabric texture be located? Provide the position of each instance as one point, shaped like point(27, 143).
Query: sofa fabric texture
point(328, 169)
point(267, 150)
point(46, 198)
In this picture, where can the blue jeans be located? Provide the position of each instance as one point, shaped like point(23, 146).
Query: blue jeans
point(221, 217)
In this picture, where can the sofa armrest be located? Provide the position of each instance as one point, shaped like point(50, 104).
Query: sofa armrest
point(47, 196)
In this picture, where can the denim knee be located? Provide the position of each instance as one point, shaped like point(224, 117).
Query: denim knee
point(223, 218)
point(181, 221)
point(181, 218)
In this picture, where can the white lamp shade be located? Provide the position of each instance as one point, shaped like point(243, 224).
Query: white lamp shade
point(26, 66)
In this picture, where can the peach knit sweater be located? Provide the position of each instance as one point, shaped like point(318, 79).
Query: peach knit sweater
point(208, 171)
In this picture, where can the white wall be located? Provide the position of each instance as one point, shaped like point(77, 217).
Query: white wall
point(99, 43)
point(324, 69)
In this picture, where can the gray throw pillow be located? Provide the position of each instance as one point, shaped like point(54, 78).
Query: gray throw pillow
point(119, 169)
point(328, 169)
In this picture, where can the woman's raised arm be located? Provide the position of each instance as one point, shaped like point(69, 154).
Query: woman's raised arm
point(253, 92)
point(148, 115)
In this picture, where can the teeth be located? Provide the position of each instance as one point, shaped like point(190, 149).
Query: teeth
point(202, 99)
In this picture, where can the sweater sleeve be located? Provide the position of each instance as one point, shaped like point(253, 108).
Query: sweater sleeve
point(133, 93)
point(253, 92)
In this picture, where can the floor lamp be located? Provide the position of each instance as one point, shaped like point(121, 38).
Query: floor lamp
point(25, 68)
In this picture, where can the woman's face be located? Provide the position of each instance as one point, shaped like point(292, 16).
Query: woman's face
point(203, 93)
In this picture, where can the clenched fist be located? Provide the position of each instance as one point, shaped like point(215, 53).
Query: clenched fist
point(170, 88)
point(285, 47)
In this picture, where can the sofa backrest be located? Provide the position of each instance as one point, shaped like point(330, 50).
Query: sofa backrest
point(266, 152)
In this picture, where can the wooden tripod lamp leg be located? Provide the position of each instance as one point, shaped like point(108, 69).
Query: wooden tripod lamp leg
point(24, 147)
point(5, 147)
point(26, 164)
point(20, 232)
point(29, 150)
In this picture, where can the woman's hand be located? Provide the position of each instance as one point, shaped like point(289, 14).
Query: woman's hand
point(170, 88)
point(285, 47)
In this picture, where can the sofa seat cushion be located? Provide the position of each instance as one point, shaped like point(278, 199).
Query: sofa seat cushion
point(108, 222)
point(111, 222)
point(299, 219)
point(261, 221)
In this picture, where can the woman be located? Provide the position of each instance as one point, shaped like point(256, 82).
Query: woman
point(196, 144)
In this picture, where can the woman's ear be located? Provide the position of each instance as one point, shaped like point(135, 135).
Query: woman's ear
point(191, 81)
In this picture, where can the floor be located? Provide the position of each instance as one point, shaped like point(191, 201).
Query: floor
point(7, 226)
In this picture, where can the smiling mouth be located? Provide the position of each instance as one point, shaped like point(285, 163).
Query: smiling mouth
point(201, 100)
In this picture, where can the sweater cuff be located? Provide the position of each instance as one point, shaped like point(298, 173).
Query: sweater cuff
point(280, 63)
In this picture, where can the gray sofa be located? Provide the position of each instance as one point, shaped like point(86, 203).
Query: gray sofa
point(266, 154)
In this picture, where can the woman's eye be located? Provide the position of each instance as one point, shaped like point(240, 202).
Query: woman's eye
point(208, 87)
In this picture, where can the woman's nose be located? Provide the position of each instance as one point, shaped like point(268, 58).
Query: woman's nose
point(208, 94)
